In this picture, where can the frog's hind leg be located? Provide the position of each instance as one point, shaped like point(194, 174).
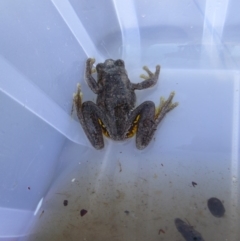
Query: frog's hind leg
point(142, 122)
point(88, 115)
point(92, 124)
point(146, 125)
point(148, 119)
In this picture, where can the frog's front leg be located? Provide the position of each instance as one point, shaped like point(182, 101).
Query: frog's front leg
point(147, 118)
point(149, 80)
point(89, 116)
point(88, 76)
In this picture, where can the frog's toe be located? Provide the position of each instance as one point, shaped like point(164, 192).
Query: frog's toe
point(146, 68)
point(79, 92)
point(168, 103)
point(143, 76)
point(148, 71)
point(91, 61)
point(77, 97)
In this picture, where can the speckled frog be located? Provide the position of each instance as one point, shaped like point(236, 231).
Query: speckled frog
point(114, 114)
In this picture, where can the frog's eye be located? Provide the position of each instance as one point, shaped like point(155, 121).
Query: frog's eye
point(99, 67)
point(119, 62)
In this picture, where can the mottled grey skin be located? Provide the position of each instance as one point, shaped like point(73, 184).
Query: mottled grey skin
point(114, 114)
point(187, 231)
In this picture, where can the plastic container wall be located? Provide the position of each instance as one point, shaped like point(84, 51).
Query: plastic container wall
point(55, 185)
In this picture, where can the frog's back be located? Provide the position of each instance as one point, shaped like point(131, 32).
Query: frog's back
point(116, 94)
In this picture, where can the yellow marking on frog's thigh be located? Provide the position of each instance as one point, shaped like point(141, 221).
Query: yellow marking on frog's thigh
point(104, 129)
point(133, 129)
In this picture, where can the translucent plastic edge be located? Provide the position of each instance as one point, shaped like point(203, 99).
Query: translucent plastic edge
point(33, 99)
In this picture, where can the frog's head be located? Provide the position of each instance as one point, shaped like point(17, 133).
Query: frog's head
point(111, 66)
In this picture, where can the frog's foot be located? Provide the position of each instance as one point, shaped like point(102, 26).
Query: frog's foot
point(90, 62)
point(77, 99)
point(89, 66)
point(149, 80)
point(164, 107)
point(150, 73)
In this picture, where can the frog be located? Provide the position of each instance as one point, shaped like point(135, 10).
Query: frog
point(114, 114)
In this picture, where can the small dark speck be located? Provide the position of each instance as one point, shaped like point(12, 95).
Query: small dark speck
point(29, 188)
point(161, 231)
point(83, 212)
point(194, 184)
point(65, 202)
point(41, 214)
point(161, 164)
point(127, 212)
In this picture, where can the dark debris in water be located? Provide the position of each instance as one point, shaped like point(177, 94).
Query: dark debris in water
point(194, 184)
point(187, 231)
point(216, 207)
point(83, 212)
point(127, 212)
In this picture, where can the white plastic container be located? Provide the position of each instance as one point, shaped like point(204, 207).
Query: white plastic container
point(49, 171)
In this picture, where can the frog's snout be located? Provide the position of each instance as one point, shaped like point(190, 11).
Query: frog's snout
point(109, 63)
